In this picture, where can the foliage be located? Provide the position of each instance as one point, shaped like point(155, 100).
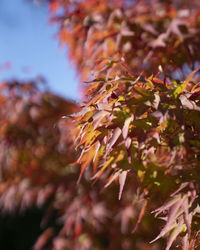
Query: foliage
point(151, 131)
point(136, 122)
point(138, 129)
point(145, 33)
point(36, 179)
point(33, 159)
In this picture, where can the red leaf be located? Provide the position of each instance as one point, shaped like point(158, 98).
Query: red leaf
point(54, 6)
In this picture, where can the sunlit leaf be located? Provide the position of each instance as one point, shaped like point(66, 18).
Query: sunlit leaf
point(122, 179)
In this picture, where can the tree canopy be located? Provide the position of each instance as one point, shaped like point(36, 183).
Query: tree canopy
point(141, 114)
point(136, 132)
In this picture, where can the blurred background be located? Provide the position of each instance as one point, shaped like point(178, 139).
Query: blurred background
point(29, 48)
point(29, 52)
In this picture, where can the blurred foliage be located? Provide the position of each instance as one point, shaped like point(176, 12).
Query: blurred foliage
point(146, 33)
point(137, 131)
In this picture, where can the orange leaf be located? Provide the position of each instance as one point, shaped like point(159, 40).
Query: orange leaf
point(54, 6)
point(142, 212)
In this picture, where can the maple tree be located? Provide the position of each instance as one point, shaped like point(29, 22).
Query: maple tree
point(39, 186)
point(137, 130)
point(140, 117)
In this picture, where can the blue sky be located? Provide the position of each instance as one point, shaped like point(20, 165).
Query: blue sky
point(27, 41)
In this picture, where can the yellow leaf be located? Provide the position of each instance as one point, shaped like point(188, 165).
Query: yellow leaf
point(183, 86)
